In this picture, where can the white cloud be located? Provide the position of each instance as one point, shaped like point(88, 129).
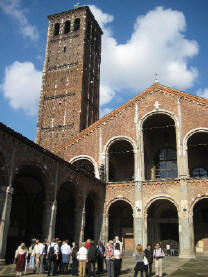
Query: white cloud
point(22, 85)
point(12, 8)
point(157, 45)
point(203, 93)
point(105, 111)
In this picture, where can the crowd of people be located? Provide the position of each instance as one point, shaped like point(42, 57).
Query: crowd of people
point(58, 257)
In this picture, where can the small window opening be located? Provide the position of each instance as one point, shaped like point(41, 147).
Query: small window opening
point(76, 24)
point(64, 49)
point(67, 27)
point(56, 29)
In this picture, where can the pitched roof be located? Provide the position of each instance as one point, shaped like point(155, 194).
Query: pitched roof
point(172, 91)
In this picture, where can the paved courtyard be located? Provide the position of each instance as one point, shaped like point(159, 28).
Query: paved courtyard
point(173, 266)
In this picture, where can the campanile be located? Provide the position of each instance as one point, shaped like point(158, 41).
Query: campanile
point(69, 100)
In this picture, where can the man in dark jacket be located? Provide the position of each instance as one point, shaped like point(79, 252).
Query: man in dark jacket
point(91, 259)
point(149, 255)
point(100, 257)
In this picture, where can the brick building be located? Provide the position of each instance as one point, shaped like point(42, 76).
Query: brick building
point(140, 172)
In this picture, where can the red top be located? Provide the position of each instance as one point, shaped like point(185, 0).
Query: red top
point(87, 245)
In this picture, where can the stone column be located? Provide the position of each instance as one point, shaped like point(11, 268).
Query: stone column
point(138, 215)
point(186, 235)
point(104, 232)
point(49, 219)
point(5, 218)
point(79, 224)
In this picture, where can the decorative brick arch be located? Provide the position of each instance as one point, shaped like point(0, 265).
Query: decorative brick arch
point(190, 133)
point(161, 197)
point(185, 142)
point(117, 138)
point(195, 201)
point(141, 136)
point(110, 142)
point(48, 181)
point(90, 159)
point(107, 207)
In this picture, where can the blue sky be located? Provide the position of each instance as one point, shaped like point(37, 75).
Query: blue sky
point(141, 37)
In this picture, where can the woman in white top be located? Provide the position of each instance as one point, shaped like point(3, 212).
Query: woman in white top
point(117, 260)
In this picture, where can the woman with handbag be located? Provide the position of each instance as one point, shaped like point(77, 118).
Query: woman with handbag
point(141, 262)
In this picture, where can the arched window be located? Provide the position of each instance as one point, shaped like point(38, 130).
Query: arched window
point(166, 163)
point(67, 27)
point(56, 29)
point(199, 172)
point(76, 24)
point(198, 154)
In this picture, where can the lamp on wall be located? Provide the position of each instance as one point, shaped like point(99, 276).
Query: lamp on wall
point(138, 209)
point(184, 209)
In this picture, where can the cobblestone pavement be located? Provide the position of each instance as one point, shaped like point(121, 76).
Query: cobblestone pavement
point(172, 266)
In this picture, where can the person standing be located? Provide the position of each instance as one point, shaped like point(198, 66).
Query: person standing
point(158, 255)
point(36, 250)
point(20, 257)
point(140, 266)
point(65, 253)
point(91, 259)
point(75, 261)
point(39, 258)
point(109, 257)
point(100, 257)
point(168, 249)
point(52, 257)
point(32, 254)
point(82, 257)
point(121, 249)
point(117, 260)
point(149, 255)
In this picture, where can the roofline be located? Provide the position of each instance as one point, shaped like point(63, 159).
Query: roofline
point(39, 148)
point(180, 93)
point(79, 8)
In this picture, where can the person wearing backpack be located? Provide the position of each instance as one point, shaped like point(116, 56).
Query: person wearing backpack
point(75, 261)
point(52, 257)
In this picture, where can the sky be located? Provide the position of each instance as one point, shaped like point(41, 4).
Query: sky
point(141, 38)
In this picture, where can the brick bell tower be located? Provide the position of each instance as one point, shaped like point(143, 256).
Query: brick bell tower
point(69, 100)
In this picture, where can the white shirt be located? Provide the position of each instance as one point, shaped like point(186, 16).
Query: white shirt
point(55, 248)
point(40, 248)
point(116, 254)
point(82, 254)
point(65, 249)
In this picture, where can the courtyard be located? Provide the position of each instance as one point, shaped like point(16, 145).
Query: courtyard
point(172, 266)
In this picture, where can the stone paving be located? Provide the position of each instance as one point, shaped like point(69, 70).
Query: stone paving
point(172, 266)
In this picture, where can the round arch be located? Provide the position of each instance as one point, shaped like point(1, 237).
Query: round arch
point(121, 224)
point(107, 207)
point(161, 197)
point(66, 199)
point(195, 201)
point(162, 221)
point(195, 156)
point(199, 212)
point(26, 216)
point(90, 159)
point(150, 169)
point(115, 166)
point(190, 133)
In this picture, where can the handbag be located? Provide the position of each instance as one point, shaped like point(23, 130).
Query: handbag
point(145, 261)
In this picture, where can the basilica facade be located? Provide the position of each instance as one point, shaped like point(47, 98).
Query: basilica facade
point(140, 172)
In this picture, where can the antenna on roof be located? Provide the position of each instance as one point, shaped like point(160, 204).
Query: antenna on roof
point(156, 79)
